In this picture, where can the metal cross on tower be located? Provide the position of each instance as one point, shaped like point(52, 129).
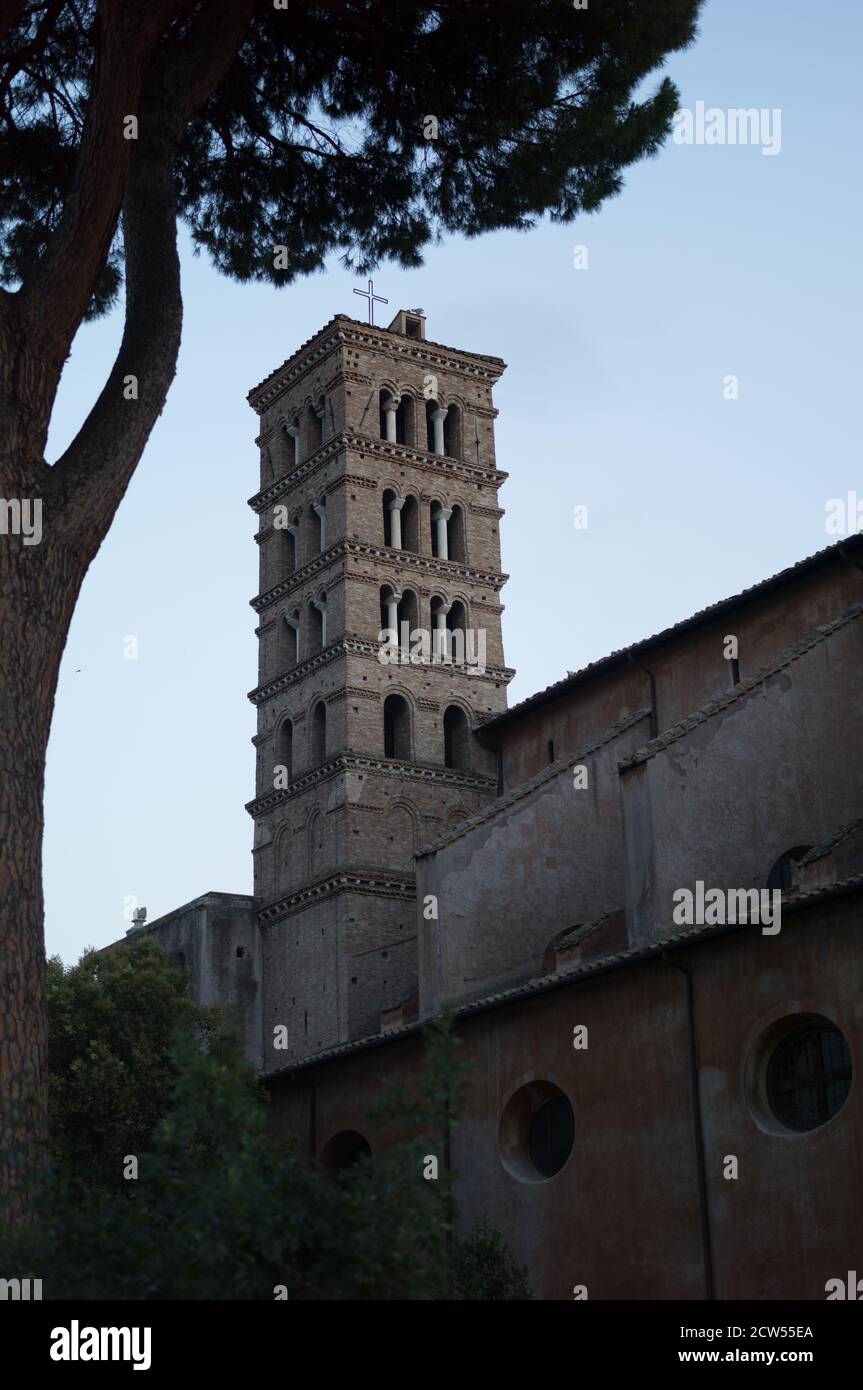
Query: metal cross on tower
point(370, 295)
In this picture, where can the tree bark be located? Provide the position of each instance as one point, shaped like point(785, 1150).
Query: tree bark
point(40, 583)
point(39, 586)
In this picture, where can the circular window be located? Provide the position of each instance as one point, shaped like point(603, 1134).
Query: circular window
point(344, 1150)
point(550, 1137)
point(537, 1131)
point(809, 1076)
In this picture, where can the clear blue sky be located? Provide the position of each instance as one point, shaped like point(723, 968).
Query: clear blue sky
point(715, 260)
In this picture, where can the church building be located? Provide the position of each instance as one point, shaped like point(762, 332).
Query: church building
point(640, 889)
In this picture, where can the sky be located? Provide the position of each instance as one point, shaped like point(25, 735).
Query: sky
point(695, 385)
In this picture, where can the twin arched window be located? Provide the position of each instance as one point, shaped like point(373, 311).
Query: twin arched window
point(398, 734)
point(424, 424)
point(443, 429)
point(446, 528)
point(401, 521)
point(447, 532)
point(304, 537)
point(303, 431)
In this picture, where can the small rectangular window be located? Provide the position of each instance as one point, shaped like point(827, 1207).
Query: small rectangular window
point(551, 750)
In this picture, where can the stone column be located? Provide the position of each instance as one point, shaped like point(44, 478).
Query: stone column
point(320, 509)
point(292, 622)
point(438, 416)
point(441, 647)
point(390, 409)
point(441, 517)
point(294, 431)
point(393, 614)
point(396, 522)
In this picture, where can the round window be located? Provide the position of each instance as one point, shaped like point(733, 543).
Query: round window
point(809, 1076)
point(537, 1132)
point(552, 1131)
point(344, 1150)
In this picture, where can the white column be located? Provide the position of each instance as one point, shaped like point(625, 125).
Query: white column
point(441, 518)
point(390, 409)
point(440, 635)
point(294, 532)
point(321, 411)
point(438, 416)
point(321, 510)
point(393, 614)
point(294, 432)
point(396, 522)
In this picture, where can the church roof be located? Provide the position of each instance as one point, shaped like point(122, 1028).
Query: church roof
point(797, 901)
point(828, 555)
point(844, 832)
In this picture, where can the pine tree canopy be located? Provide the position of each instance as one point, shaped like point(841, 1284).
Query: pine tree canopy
point(368, 127)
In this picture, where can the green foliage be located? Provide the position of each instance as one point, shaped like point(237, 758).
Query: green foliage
point(111, 1022)
point(220, 1209)
point(483, 1267)
point(315, 138)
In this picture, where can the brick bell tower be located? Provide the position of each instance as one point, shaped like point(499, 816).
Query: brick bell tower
point(378, 511)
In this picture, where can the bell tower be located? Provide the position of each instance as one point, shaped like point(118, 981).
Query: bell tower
point(379, 651)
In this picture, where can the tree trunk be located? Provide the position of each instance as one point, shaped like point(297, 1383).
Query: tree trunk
point(39, 583)
point(38, 589)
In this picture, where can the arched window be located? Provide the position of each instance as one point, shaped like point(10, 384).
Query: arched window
point(289, 640)
point(318, 527)
point(456, 738)
point(440, 632)
point(388, 405)
point(392, 525)
point(782, 874)
point(455, 536)
point(406, 421)
point(285, 748)
point(292, 438)
point(435, 416)
point(397, 728)
point(317, 617)
point(315, 425)
point(409, 613)
point(411, 525)
point(438, 519)
point(452, 433)
point(289, 551)
point(316, 832)
point(318, 735)
point(456, 621)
